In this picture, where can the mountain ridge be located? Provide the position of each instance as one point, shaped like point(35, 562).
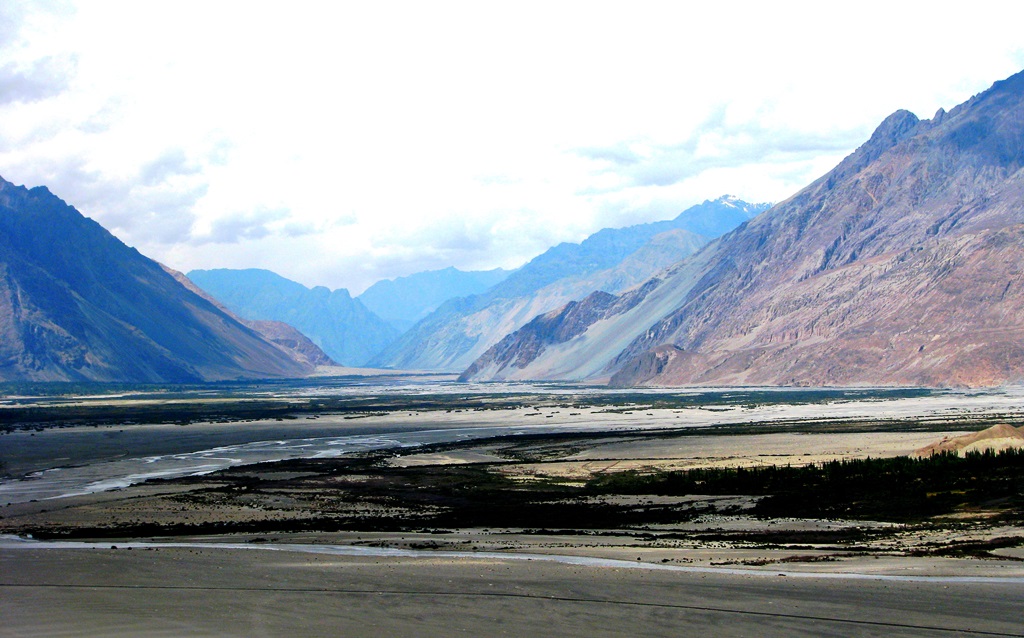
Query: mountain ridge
point(461, 329)
point(403, 301)
point(78, 304)
point(277, 332)
point(338, 324)
point(896, 267)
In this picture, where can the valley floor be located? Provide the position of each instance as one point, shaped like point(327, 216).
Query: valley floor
point(533, 532)
point(229, 592)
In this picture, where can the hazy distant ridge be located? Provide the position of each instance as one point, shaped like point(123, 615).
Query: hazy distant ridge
point(405, 300)
point(611, 260)
point(340, 325)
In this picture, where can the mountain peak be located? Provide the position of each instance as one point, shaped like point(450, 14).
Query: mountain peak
point(893, 130)
point(752, 208)
point(403, 301)
point(611, 260)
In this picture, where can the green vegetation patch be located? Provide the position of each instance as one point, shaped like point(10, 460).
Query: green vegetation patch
point(899, 489)
point(366, 493)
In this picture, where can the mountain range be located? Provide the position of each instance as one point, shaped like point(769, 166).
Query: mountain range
point(404, 301)
point(462, 329)
point(278, 332)
point(338, 324)
point(901, 266)
point(77, 304)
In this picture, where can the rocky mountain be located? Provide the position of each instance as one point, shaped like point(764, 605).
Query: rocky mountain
point(77, 304)
point(610, 260)
point(338, 324)
point(288, 337)
point(903, 265)
point(519, 349)
point(405, 300)
point(299, 346)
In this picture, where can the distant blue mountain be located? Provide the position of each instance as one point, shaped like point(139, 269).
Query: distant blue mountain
point(452, 336)
point(405, 300)
point(608, 247)
point(342, 326)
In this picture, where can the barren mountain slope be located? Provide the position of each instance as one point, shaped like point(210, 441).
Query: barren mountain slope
point(900, 266)
point(404, 301)
point(77, 304)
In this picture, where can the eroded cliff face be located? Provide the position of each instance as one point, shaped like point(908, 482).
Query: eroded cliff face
point(900, 266)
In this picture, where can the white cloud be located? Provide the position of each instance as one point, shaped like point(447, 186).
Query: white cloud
point(338, 143)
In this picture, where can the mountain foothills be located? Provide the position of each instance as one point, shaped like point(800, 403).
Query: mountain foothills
point(340, 325)
point(405, 300)
point(611, 260)
point(903, 265)
point(77, 304)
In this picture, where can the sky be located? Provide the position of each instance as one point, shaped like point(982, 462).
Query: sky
point(340, 143)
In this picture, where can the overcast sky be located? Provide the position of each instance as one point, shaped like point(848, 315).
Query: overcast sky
point(339, 143)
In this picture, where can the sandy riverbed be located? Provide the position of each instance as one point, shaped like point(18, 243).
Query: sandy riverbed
point(672, 583)
point(224, 592)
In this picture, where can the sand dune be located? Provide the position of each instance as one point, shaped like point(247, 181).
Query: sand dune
point(1002, 436)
